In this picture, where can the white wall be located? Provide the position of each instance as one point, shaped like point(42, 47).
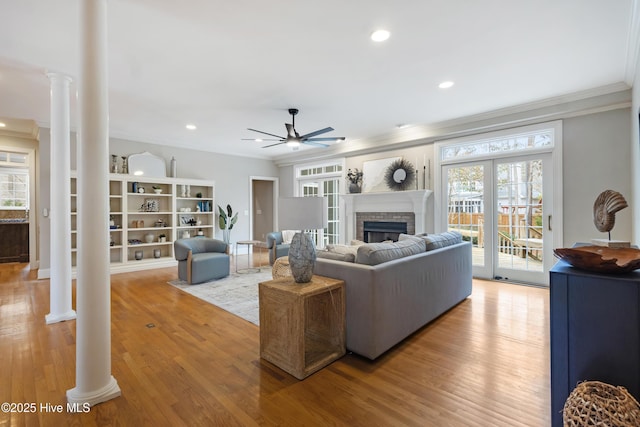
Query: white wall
point(596, 157)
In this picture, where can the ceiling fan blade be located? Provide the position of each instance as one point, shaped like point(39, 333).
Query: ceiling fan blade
point(271, 145)
point(336, 139)
point(266, 133)
point(318, 132)
point(317, 144)
point(260, 139)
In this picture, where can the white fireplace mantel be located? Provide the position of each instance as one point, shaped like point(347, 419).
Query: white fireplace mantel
point(393, 201)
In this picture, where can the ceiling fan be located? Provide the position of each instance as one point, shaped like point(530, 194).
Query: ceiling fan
point(294, 139)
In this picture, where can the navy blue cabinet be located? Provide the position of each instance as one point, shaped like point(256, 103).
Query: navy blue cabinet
point(595, 332)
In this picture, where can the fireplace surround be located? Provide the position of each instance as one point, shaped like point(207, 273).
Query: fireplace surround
point(393, 206)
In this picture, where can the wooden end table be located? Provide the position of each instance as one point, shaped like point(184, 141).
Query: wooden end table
point(302, 325)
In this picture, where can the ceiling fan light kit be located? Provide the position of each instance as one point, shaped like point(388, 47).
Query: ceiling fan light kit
point(293, 138)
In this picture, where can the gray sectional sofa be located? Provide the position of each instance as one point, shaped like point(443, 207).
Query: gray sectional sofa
point(394, 289)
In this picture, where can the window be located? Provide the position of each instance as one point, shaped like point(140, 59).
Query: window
point(520, 143)
point(14, 188)
point(323, 180)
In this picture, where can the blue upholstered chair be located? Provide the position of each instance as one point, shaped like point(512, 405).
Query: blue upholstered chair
point(276, 246)
point(201, 259)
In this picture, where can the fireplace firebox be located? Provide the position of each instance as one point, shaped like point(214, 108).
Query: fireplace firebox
point(379, 231)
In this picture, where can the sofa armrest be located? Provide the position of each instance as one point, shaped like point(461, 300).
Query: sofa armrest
point(181, 249)
point(274, 239)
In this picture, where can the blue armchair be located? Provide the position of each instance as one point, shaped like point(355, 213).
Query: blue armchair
point(276, 246)
point(201, 259)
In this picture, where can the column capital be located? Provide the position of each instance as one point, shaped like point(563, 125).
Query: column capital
point(57, 76)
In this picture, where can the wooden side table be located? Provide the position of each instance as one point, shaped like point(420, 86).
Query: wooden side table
point(302, 325)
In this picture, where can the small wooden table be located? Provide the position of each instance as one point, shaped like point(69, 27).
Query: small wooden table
point(302, 325)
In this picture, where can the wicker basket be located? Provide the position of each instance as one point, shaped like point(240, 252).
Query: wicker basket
point(593, 403)
point(281, 268)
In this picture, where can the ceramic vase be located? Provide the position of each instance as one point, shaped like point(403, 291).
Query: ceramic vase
point(302, 257)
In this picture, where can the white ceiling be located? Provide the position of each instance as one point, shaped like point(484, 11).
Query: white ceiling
point(229, 66)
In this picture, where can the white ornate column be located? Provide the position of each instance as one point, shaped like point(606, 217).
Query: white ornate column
point(60, 295)
point(94, 382)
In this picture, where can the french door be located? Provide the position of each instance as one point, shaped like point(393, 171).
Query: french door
point(329, 188)
point(498, 206)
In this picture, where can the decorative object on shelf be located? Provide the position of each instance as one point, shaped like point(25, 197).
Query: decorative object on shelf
point(156, 253)
point(302, 213)
point(187, 220)
point(147, 164)
point(134, 187)
point(125, 167)
point(204, 206)
point(188, 191)
point(226, 221)
point(600, 404)
point(138, 255)
point(183, 192)
point(601, 259)
point(186, 234)
point(149, 237)
point(174, 167)
point(400, 175)
point(114, 163)
point(140, 223)
point(159, 223)
point(355, 180)
point(111, 242)
point(112, 222)
point(200, 232)
point(373, 173)
point(199, 195)
point(157, 190)
point(150, 205)
point(604, 216)
point(140, 189)
point(162, 238)
point(134, 241)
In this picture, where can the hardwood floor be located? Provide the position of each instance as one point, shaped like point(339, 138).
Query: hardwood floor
point(181, 361)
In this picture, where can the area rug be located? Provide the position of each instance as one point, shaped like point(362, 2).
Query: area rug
point(236, 293)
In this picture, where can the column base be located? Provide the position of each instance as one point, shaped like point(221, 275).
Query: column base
point(55, 318)
point(108, 392)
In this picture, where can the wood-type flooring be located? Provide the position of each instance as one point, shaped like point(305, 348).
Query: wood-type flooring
point(181, 361)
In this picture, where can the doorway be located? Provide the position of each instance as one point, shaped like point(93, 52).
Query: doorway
point(492, 190)
point(263, 206)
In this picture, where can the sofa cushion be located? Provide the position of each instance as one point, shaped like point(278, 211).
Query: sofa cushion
point(342, 249)
point(441, 240)
point(347, 257)
point(377, 253)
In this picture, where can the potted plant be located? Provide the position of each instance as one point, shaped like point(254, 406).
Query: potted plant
point(162, 238)
point(226, 221)
point(355, 180)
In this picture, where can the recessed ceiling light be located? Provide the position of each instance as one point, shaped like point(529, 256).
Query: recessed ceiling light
point(380, 35)
point(445, 85)
point(258, 139)
point(191, 126)
point(2, 125)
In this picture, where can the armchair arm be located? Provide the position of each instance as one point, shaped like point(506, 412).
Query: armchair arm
point(273, 239)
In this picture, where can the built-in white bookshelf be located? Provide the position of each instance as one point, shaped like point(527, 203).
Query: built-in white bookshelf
point(147, 215)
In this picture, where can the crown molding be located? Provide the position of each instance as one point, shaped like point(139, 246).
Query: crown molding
point(600, 99)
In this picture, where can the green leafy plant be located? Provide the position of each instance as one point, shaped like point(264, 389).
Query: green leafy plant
point(226, 220)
